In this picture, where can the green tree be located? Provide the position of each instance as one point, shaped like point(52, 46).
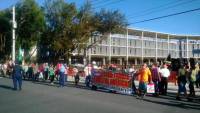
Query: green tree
point(69, 29)
point(30, 23)
point(5, 33)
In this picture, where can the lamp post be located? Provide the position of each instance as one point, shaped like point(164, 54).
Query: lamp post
point(13, 34)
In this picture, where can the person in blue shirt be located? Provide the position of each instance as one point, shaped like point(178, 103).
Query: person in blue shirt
point(17, 75)
point(62, 80)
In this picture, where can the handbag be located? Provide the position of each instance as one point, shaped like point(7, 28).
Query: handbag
point(41, 75)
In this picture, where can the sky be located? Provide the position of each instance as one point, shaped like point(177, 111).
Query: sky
point(186, 24)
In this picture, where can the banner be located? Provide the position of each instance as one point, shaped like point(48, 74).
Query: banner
point(118, 82)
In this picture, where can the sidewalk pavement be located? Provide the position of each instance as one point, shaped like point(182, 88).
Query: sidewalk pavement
point(171, 86)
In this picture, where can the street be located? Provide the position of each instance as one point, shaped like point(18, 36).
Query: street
point(46, 98)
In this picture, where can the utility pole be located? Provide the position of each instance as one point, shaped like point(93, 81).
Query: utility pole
point(13, 35)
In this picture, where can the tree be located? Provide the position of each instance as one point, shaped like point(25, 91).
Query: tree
point(69, 29)
point(5, 34)
point(30, 23)
point(60, 16)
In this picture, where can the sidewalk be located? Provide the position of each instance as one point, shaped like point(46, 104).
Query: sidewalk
point(171, 86)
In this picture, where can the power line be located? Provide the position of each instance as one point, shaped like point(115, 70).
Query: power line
point(165, 16)
point(100, 2)
point(163, 9)
point(90, 2)
point(153, 8)
point(109, 4)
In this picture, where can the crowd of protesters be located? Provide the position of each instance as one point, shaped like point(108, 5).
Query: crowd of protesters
point(156, 74)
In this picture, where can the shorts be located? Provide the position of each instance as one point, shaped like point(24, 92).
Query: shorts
point(142, 86)
point(181, 87)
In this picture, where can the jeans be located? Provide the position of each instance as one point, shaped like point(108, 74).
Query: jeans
point(17, 79)
point(133, 84)
point(155, 81)
point(88, 80)
point(66, 77)
point(61, 80)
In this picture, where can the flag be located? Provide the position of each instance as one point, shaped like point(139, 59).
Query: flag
point(168, 60)
point(20, 53)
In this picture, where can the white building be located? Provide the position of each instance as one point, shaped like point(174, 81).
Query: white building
point(137, 46)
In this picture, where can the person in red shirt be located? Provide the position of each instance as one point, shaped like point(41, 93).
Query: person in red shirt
point(57, 73)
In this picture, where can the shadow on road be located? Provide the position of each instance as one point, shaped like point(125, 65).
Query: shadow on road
point(174, 104)
point(6, 87)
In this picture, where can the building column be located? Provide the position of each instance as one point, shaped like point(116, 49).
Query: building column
point(127, 46)
point(161, 61)
point(156, 47)
point(84, 61)
point(149, 61)
point(142, 48)
point(187, 56)
point(120, 61)
point(110, 49)
point(104, 61)
point(168, 44)
point(136, 61)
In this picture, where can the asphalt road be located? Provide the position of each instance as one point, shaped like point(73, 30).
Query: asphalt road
point(46, 98)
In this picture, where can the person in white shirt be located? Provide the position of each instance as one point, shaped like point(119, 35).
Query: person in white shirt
point(87, 72)
point(164, 73)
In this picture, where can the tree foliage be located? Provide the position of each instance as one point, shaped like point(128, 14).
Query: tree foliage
point(5, 34)
point(60, 26)
point(30, 23)
point(69, 29)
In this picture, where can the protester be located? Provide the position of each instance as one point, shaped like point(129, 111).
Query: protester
point(57, 73)
point(133, 73)
point(164, 73)
point(192, 80)
point(61, 79)
point(87, 73)
point(45, 69)
point(26, 70)
point(35, 72)
point(110, 67)
point(40, 72)
point(17, 76)
point(197, 71)
point(144, 75)
point(114, 68)
point(94, 65)
point(10, 69)
point(181, 80)
point(76, 76)
point(155, 76)
point(30, 72)
point(75, 71)
point(51, 75)
point(66, 71)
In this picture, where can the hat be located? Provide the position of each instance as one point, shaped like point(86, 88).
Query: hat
point(94, 63)
point(114, 64)
point(16, 62)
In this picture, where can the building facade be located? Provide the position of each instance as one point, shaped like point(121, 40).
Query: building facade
point(136, 46)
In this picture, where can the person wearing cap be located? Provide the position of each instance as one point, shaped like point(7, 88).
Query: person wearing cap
point(61, 80)
point(17, 75)
point(94, 65)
